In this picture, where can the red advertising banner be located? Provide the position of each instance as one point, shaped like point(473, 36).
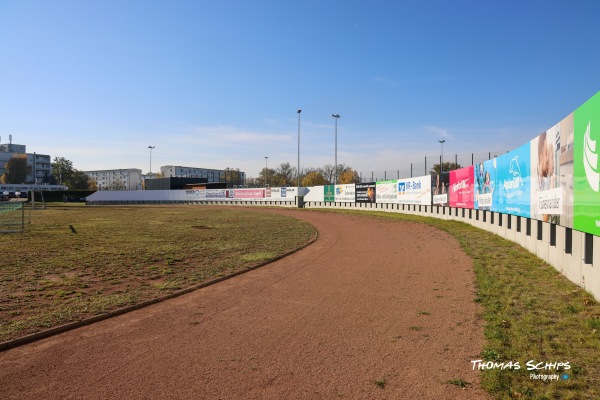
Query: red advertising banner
point(462, 188)
point(249, 193)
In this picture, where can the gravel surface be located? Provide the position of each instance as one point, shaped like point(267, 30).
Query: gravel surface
point(374, 309)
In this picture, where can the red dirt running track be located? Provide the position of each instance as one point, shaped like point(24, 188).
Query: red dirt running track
point(371, 300)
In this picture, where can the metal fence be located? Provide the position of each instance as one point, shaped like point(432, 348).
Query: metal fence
point(424, 167)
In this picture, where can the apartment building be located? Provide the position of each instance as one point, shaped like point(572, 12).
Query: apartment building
point(117, 179)
point(212, 175)
point(40, 163)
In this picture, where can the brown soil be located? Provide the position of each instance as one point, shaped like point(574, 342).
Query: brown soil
point(374, 309)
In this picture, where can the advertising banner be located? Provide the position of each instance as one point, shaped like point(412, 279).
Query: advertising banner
point(314, 193)
point(415, 190)
point(586, 187)
point(461, 193)
point(289, 193)
point(345, 193)
point(204, 194)
point(485, 185)
point(248, 193)
point(216, 193)
point(329, 193)
point(195, 194)
point(365, 192)
point(439, 188)
point(386, 191)
point(281, 193)
point(552, 174)
point(513, 182)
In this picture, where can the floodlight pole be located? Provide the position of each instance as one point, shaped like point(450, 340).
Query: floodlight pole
point(151, 147)
point(442, 157)
point(336, 116)
point(298, 172)
point(266, 170)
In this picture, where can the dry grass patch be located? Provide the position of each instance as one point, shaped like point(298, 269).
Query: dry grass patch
point(77, 261)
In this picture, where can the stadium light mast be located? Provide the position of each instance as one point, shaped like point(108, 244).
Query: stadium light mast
point(298, 172)
point(336, 116)
point(266, 171)
point(442, 156)
point(151, 147)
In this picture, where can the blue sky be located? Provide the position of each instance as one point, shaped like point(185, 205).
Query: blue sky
point(217, 84)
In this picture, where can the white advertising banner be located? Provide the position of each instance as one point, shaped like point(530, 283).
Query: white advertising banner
point(549, 201)
point(440, 198)
point(386, 191)
point(281, 193)
point(345, 193)
point(315, 193)
point(415, 190)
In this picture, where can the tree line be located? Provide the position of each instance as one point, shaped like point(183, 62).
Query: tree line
point(63, 173)
point(287, 175)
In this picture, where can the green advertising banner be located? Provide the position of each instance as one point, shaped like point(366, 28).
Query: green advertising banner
point(586, 174)
point(329, 193)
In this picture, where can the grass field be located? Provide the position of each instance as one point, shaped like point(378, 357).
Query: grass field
point(532, 312)
point(77, 261)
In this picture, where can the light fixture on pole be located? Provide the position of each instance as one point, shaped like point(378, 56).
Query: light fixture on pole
point(151, 147)
point(266, 170)
point(336, 116)
point(298, 172)
point(442, 156)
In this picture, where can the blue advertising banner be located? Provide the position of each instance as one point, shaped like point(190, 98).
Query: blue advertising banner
point(485, 185)
point(513, 176)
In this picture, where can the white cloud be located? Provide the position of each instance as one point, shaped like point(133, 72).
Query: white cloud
point(441, 132)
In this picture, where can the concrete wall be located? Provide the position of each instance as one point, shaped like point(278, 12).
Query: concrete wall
point(571, 264)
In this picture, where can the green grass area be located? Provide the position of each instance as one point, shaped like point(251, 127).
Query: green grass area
point(76, 261)
point(531, 312)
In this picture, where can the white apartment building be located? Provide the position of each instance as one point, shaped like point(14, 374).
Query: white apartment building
point(212, 175)
point(117, 179)
point(39, 163)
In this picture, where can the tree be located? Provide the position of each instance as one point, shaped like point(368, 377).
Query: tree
point(284, 175)
point(92, 184)
point(270, 178)
point(79, 181)
point(62, 170)
point(314, 178)
point(17, 170)
point(448, 166)
point(328, 172)
point(64, 174)
point(232, 177)
point(348, 175)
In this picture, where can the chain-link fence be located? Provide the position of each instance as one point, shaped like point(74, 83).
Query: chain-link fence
point(427, 165)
